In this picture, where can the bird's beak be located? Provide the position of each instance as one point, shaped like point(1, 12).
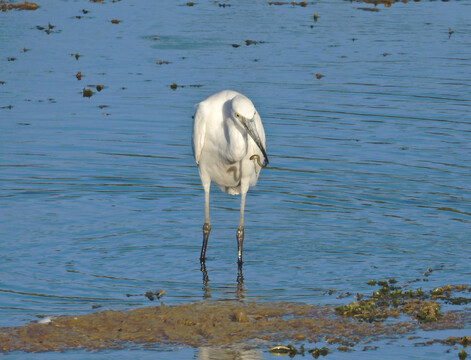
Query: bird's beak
point(251, 129)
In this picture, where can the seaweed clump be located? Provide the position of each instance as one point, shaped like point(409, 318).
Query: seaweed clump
point(391, 301)
point(19, 6)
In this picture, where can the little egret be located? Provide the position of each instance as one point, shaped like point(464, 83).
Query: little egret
point(228, 143)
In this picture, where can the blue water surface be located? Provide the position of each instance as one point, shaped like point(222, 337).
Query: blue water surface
point(100, 199)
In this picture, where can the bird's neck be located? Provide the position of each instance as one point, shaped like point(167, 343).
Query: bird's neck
point(237, 145)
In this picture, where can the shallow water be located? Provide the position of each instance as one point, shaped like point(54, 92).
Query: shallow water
point(369, 166)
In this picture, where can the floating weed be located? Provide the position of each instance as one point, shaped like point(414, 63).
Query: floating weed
point(115, 21)
point(459, 301)
point(450, 32)
point(87, 93)
point(390, 301)
point(20, 6)
point(365, 310)
point(316, 352)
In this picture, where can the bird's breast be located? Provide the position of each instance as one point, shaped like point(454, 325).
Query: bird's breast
point(236, 145)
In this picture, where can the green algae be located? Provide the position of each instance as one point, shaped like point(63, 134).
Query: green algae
point(391, 301)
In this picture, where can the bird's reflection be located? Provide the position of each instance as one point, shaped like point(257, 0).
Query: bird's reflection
point(206, 289)
point(240, 291)
point(234, 352)
point(240, 283)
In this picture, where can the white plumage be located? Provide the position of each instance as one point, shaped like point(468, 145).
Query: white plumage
point(227, 133)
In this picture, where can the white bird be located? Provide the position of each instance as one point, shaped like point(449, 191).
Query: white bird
point(228, 143)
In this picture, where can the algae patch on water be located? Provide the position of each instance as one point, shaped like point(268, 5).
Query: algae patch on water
point(19, 6)
point(204, 323)
point(220, 323)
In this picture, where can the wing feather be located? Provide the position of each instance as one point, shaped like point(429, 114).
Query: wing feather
point(199, 131)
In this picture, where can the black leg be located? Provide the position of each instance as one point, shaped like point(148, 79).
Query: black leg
point(206, 231)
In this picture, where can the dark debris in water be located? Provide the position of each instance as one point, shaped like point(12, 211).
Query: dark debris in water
point(175, 86)
point(373, 9)
point(252, 42)
point(293, 3)
point(248, 42)
point(48, 29)
point(156, 294)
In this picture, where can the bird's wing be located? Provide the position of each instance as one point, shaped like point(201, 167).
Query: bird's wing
point(199, 131)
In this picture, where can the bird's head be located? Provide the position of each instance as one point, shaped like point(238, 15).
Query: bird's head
point(244, 112)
